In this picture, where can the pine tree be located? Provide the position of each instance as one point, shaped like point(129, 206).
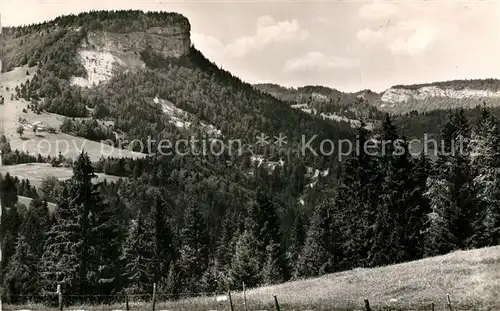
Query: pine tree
point(81, 248)
point(173, 284)
point(322, 251)
point(271, 271)
point(84, 198)
point(8, 191)
point(11, 221)
point(418, 210)
point(460, 176)
point(22, 277)
point(359, 194)
point(398, 225)
point(194, 254)
point(139, 256)
point(485, 162)
point(164, 251)
point(107, 234)
point(36, 226)
point(61, 260)
point(396, 167)
point(227, 240)
point(245, 265)
point(297, 240)
point(214, 279)
point(264, 224)
point(450, 190)
point(217, 276)
point(440, 238)
point(28, 250)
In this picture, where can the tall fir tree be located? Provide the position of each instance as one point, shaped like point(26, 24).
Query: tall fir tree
point(359, 195)
point(139, 256)
point(172, 286)
point(61, 260)
point(322, 252)
point(22, 276)
point(194, 253)
point(8, 193)
point(164, 251)
point(29, 250)
point(12, 220)
point(81, 248)
point(398, 226)
point(395, 166)
point(36, 226)
point(485, 162)
point(461, 176)
point(418, 209)
point(272, 269)
point(245, 267)
point(107, 237)
point(298, 238)
point(264, 224)
point(449, 190)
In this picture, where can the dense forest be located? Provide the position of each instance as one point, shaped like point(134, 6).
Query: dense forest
point(123, 21)
point(416, 125)
point(326, 100)
point(475, 84)
point(163, 224)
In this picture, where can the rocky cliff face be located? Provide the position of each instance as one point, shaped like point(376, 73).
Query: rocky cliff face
point(441, 95)
point(398, 95)
point(105, 53)
point(168, 41)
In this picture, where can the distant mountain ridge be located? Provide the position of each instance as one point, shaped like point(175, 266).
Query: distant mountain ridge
point(477, 84)
point(328, 103)
point(402, 99)
point(445, 95)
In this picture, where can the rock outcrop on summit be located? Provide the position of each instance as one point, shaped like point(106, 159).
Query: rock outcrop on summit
point(167, 41)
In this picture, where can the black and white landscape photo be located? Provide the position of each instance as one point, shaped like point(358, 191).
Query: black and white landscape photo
point(249, 155)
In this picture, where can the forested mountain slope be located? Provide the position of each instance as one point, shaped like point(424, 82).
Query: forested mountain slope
point(327, 103)
point(135, 75)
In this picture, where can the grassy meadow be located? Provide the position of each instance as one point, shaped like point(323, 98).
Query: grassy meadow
point(37, 172)
point(471, 278)
point(44, 143)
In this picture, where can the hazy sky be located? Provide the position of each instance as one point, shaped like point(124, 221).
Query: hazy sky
point(348, 45)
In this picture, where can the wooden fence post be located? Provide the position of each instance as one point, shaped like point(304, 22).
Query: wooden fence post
point(449, 302)
point(367, 305)
point(276, 303)
point(432, 306)
point(1, 223)
point(230, 300)
point(126, 303)
point(154, 296)
point(245, 297)
point(60, 297)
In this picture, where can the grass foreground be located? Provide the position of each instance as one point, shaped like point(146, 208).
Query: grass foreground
point(471, 278)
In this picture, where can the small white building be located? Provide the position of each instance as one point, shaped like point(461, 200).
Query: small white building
point(40, 126)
